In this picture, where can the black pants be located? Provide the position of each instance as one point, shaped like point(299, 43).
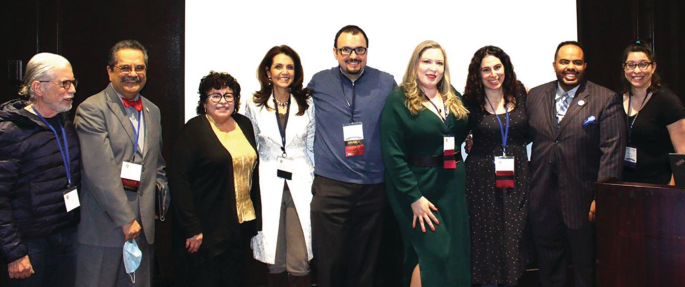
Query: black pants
point(347, 221)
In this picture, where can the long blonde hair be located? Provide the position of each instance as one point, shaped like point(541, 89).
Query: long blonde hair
point(414, 95)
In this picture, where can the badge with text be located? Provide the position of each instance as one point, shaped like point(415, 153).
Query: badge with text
point(285, 168)
point(353, 134)
point(130, 175)
point(449, 156)
point(71, 200)
point(630, 159)
point(504, 171)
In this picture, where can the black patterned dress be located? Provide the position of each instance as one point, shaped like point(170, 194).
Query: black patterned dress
point(497, 216)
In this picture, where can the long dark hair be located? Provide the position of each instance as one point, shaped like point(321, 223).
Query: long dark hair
point(640, 46)
point(299, 93)
point(474, 92)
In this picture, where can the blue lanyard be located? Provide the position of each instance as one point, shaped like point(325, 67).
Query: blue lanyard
point(504, 131)
point(64, 152)
point(281, 128)
point(630, 125)
point(137, 134)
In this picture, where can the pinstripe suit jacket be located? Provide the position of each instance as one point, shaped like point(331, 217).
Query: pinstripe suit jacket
point(580, 150)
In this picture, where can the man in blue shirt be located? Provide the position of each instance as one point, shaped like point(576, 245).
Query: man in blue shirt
point(348, 189)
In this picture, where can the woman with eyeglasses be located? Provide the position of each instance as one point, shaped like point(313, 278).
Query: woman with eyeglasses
point(214, 181)
point(423, 124)
point(282, 114)
point(496, 169)
point(655, 118)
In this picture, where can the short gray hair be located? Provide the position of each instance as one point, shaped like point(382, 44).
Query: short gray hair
point(38, 67)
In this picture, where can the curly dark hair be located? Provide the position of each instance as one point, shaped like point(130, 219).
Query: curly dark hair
point(217, 81)
point(299, 93)
point(474, 92)
point(640, 46)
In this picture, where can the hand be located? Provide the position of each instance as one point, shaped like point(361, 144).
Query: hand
point(20, 268)
point(469, 143)
point(193, 243)
point(422, 211)
point(591, 216)
point(131, 230)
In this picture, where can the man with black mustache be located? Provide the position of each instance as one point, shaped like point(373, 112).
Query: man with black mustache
point(579, 135)
point(348, 187)
point(121, 145)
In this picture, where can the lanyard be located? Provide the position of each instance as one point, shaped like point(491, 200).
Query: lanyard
point(281, 128)
point(628, 122)
point(64, 152)
point(442, 116)
point(503, 131)
point(354, 96)
point(137, 134)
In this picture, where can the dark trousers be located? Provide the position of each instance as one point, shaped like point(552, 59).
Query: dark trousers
point(346, 231)
point(53, 259)
point(200, 270)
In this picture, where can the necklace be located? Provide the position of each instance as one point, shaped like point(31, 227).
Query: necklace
point(282, 104)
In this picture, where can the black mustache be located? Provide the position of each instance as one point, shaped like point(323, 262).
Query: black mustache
point(130, 79)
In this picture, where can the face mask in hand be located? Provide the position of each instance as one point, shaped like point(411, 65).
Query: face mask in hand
point(132, 258)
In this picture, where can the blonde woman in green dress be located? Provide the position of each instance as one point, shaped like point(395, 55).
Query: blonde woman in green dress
point(423, 125)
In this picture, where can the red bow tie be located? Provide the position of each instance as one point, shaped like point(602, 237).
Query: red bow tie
point(137, 104)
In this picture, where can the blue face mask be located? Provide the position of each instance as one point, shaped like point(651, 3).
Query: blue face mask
point(132, 258)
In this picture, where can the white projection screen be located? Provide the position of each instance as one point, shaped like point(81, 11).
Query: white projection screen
point(233, 36)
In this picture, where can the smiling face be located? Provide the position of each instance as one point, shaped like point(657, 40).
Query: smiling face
point(223, 108)
point(430, 68)
point(492, 72)
point(639, 78)
point(128, 84)
point(52, 97)
point(282, 71)
point(569, 66)
point(352, 64)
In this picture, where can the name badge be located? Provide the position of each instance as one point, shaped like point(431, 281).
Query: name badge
point(130, 175)
point(285, 168)
point(450, 161)
point(71, 200)
point(630, 159)
point(353, 135)
point(504, 171)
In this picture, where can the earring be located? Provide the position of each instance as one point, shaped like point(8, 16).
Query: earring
point(269, 81)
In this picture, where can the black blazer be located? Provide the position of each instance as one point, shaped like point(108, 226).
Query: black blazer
point(581, 150)
point(202, 186)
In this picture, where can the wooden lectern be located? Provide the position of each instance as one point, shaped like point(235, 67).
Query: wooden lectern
point(640, 234)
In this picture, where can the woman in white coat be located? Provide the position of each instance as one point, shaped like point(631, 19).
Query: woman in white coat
point(282, 114)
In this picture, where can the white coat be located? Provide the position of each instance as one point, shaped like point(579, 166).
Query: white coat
point(299, 145)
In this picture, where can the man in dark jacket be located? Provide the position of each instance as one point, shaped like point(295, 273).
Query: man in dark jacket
point(39, 171)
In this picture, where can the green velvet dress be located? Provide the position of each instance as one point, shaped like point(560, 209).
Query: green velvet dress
point(444, 254)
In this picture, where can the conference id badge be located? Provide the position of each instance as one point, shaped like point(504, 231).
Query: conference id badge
point(449, 156)
point(353, 135)
point(71, 200)
point(285, 168)
point(130, 175)
point(504, 171)
point(630, 159)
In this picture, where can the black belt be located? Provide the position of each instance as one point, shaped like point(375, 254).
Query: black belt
point(431, 160)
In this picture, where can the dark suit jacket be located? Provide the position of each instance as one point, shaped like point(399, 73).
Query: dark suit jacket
point(202, 184)
point(580, 153)
point(106, 138)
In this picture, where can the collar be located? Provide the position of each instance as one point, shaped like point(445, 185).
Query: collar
point(343, 73)
point(121, 96)
point(571, 92)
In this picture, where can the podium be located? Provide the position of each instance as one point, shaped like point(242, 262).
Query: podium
point(640, 234)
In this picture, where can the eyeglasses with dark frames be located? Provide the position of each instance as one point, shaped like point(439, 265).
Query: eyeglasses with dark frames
point(216, 97)
point(66, 84)
point(632, 65)
point(346, 51)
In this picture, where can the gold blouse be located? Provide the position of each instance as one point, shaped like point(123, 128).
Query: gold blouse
point(244, 161)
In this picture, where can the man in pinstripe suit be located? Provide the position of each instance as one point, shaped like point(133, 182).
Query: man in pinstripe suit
point(578, 132)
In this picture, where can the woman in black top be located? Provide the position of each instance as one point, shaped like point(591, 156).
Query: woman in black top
point(655, 119)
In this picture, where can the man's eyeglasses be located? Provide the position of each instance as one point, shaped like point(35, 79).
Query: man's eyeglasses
point(216, 97)
point(632, 65)
point(66, 84)
point(346, 51)
point(129, 68)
